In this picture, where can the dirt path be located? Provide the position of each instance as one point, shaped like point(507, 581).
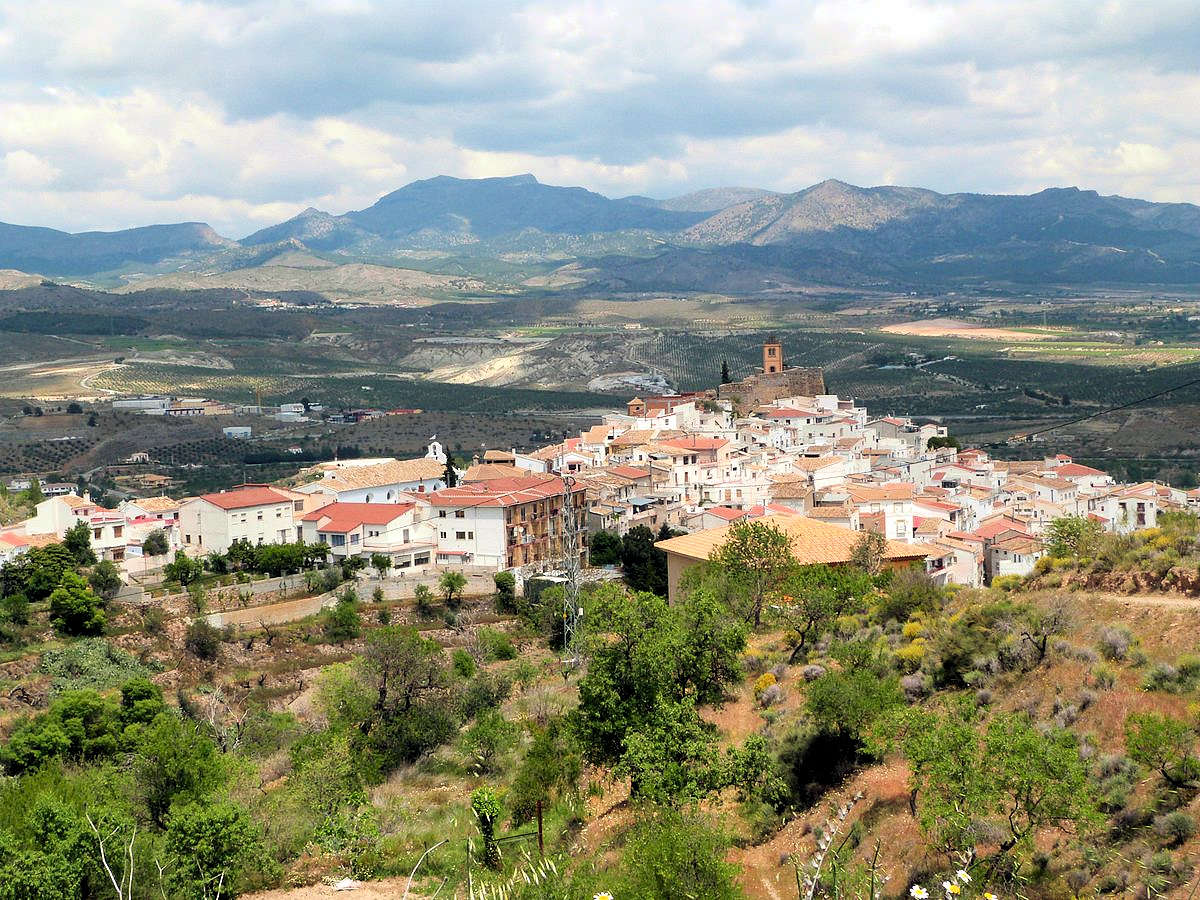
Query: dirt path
point(1168, 601)
point(383, 889)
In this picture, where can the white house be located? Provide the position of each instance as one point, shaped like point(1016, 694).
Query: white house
point(257, 512)
point(364, 529)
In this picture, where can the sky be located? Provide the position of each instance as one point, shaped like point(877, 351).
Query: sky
point(117, 113)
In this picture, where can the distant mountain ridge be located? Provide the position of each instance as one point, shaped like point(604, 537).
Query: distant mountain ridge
point(831, 232)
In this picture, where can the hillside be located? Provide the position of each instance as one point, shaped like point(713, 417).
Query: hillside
point(832, 233)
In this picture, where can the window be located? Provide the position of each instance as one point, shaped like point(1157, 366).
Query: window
point(470, 535)
point(96, 533)
point(338, 540)
point(260, 512)
point(354, 538)
point(421, 559)
point(187, 538)
point(460, 535)
point(369, 497)
point(298, 505)
point(322, 538)
point(441, 514)
point(389, 495)
point(460, 514)
point(118, 530)
point(279, 513)
point(442, 535)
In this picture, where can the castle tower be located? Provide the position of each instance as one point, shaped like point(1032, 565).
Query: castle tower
point(772, 355)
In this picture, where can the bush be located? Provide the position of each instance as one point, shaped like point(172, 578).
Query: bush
point(1104, 676)
point(1114, 642)
point(1007, 583)
point(342, 622)
point(203, 640)
point(1161, 677)
point(89, 663)
point(496, 644)
point(484, 691)
point(673, 855)
point(910, 656)
point(1175, 828)
point(764, 681)
point(463, 663)
point(770, 696)
point(812, 672)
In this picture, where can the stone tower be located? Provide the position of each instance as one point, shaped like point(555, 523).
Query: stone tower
point(772, 355)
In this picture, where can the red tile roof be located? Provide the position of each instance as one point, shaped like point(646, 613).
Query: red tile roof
point(694, 443)
point(247, 496)
point(500, 492)
point(343, 517)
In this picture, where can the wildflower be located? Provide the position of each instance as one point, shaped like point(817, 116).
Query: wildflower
point(951, 888)
point(918, 893)
point(603, 895)
point(962, 876)
point(988, 895)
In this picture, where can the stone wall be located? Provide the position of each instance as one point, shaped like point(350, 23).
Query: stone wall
point(755, 390)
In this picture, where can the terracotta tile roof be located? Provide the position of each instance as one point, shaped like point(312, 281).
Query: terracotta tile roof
point(156, 504)
point(811, 464)
point(832, 511)
point(728, 513)
point(790, 490)
point(694, 442)
point(247, 496)
point(865, 493)
point(597, 434)
point(1075, 470)
point(812, 542)
point(343, 517)
point(500, 456)
point(634, 472)
point(397, 471)
point(74, 501)
point(491, 471)
point(500, 492)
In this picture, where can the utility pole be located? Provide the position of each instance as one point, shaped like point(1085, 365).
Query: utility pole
point(572, 612)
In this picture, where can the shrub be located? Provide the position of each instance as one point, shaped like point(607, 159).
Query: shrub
point(506, 592)
point(496, 644)
point(1104, 676)
point(913, 630)
point(203, 640)
point(1007, 583)
point(463, 663)
point(915, 687)
point(764, 681)
point(910, 656)
point(1175, 828)
point(771, 695)
point(1161, 677)
point(89, 663)
point(812, 672)
point(1114, 642)
point(1189, 666)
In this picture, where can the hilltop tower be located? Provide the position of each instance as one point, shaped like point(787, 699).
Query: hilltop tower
point(772, 355)
point(775, 381)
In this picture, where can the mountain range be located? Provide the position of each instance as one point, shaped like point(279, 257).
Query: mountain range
point(742, 239)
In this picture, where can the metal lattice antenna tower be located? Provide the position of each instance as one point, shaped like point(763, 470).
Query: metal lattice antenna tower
point(572, 612)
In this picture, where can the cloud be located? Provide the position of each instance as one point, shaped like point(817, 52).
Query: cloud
point(242, 112)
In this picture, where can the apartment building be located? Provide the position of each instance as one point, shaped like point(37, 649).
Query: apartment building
point(505, 523)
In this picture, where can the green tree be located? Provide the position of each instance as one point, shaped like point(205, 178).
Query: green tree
point(175, 763)
point(936, 443)
point(74, 609)
point(209, 845)
point(33, 495)
point(847, 702)
point(449, 473)
point(343, 622)
point(451, 584)
point(812, 597)
point(424, 599)
point(104, 579)
point(1164, 744)
point(643, 564)
point(550, 771)
point(36, 572)
point(78, 541)
point(753, 561)
point(725, 379)
point(868, 552)
point(643, 653)
point(670, 758)
point(1073, 537)
point(203, 639)
point(381, 563)
point(156, 543)
point(1009, 779)
point(342, 696)
point(604, 549)
point(506, 592)
point(183, 569)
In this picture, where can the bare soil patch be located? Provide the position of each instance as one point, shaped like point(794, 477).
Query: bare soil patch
point(956, 328)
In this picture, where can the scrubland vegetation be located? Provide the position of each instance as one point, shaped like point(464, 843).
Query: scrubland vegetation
point(782, 730)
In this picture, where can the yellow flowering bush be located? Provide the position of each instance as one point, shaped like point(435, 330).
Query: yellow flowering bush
point(913, 630)
point(910, 656)
point(764, 681)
